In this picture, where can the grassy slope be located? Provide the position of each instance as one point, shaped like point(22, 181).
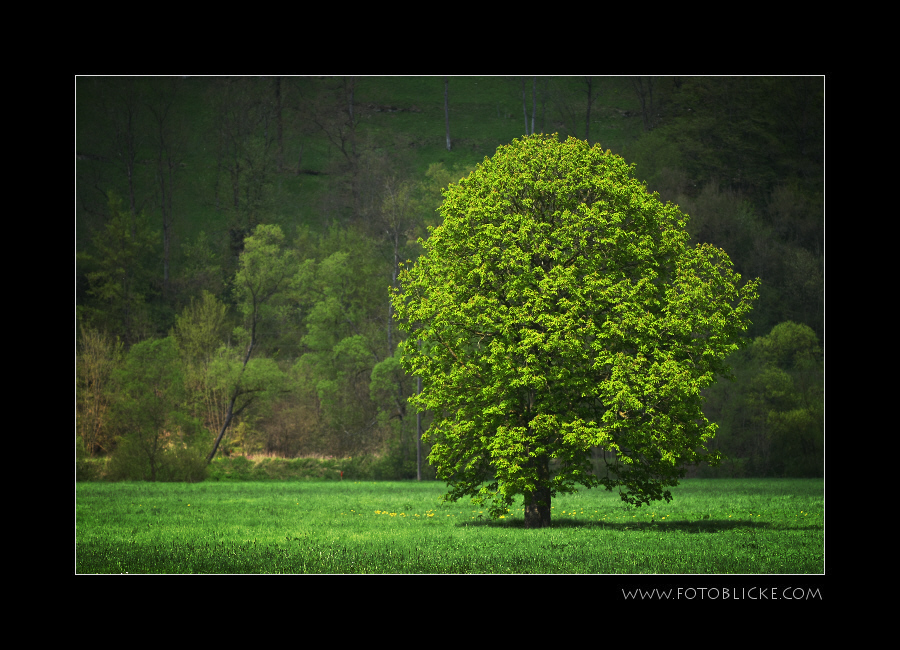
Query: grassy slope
point(485, 112)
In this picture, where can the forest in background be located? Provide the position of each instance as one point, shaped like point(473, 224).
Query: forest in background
point(236, 238)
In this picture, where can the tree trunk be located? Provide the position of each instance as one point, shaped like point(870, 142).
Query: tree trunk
point(447, 109)
point(130, 161)
point(524, 110)
point(167, 236)
point(352, 90)
point(587, 121)
point(537, 503)
point(280, 126)
point(390, 342)
point(544, 105)
point(645, 95)
point(170, 220)
point(533, 101)
point(228, 416)
point(418, 433)
point(237, 392)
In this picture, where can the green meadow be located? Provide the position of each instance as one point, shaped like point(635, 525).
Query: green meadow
point(712, 526)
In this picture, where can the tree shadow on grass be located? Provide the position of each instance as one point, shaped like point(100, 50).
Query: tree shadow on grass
point(674, 525)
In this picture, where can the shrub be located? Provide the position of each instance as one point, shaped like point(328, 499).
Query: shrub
point(178, 463)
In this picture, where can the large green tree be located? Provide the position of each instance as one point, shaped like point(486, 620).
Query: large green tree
point(559, 309)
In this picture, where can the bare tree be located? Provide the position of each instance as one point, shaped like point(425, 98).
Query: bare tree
point(333, 109)
point(591, 95)
point(568, 98)
point(644, 90)
point(243, 149)
point(279, 121)
point(122, 105)
point(447, 109)
point(544, 93)
point(110, 132)
point(349, 92)
point(98, 355)
point(533, 104)
point(524, 110)
point(168, 141)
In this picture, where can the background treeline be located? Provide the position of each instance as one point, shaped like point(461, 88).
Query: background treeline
point(236, 238)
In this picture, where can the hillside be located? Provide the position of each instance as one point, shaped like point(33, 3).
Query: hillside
point(173, 174)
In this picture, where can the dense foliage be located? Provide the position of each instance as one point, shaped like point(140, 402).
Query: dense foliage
point(175, 175)
point(159, 440)
point(557, 309)
point(773, 415)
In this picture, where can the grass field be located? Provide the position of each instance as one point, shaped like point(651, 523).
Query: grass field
point(725, 526)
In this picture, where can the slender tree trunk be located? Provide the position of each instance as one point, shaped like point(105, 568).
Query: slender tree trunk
point(350, 113)
point(229, 415)
point(122, 104)
point(131, 201)
point(161, 178)
point(218, 176)
point(171, 173)
point(447, 109)
point(153, 463)
point(390, 317)
point(533, 101)
point(280, 125)
point(130, 161)
point(524, 109)
point(643, 95)
point(167, 237)
point(419, 433)
point(394, 232)
point(587, 122)
point(165, 168)
point(236, 186)
point(544, 105)
point(637, 83)
point(356, 182)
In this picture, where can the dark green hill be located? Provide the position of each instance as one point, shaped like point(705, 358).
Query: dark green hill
point(172, 174)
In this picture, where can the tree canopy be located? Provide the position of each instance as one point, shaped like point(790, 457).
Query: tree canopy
point(149, 410)
point(558, 309)
point(265, 271)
